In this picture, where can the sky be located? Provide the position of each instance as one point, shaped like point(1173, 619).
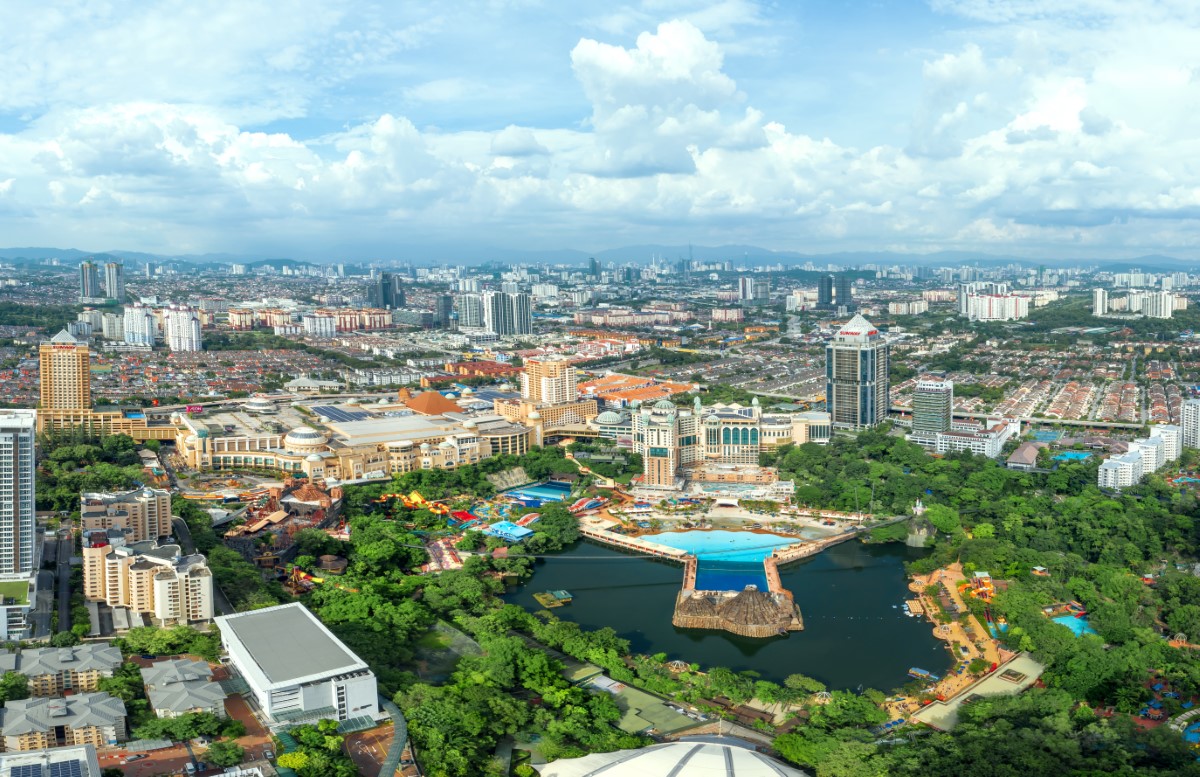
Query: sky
point(352, 130)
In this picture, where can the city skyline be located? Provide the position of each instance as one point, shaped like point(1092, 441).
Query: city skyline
point(1017, 128)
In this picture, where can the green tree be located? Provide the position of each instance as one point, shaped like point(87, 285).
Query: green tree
point(224, 754)
point(13, 686)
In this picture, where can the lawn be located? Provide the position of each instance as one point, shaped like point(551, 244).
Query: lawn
point(16, 589)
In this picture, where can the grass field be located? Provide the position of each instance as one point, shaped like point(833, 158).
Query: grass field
point(17, 589)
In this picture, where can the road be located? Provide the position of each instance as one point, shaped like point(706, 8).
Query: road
point(220, 603)
point(63, 569)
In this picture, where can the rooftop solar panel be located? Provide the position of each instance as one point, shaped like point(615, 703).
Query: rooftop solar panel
point(338, 415)
point(27, 770)
point(66, 769)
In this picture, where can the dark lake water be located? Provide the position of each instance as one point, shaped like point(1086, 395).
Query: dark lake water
point(853, 635)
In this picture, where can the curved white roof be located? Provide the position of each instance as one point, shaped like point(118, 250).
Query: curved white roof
point(608, 417)
point(702, 758)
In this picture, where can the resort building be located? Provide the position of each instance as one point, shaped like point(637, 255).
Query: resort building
point(54, 671)
point(76, 761)
point(147, 578)
point(1143, 457)
point(181, 686)
point(144, 513)
point(720, 443)
point(856, 375)
point(988, 441)
point(39, 723)
point(322, 680)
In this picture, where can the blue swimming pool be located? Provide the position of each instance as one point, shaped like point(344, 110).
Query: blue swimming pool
point(1078, 625)
point(541, 492)
point(1072, 456)
point(728, 560)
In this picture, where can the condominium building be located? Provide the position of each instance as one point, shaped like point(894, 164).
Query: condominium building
point(145, 513)
point(39, 722)
point(1099, 302)
point(1145, 456)
point(54, 671)
point(65, 373)
point(1159, 304)
point(114, 281)
point(507, 313)
point(1189, 422)
point(988, 441)
point(318, 325)
point(856, 375)
point(140, 324)
point(996, 307)
point(549, 379)
point(144, 577)
point(181, 329)
point(470, 311)
point(18, 541)
point(89, 282)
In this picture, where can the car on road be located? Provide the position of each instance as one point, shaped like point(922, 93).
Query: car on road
point(135, 757)
point(269, 755)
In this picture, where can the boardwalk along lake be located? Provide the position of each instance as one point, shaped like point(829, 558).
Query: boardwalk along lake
point(855, 632)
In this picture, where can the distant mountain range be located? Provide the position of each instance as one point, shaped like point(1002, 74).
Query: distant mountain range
point(738, 254)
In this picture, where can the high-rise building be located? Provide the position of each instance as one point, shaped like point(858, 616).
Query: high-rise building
point(443, 308)
point(18, 544)
point(1159, 304)
point(114, 281)
point(1099, 302)
point(550, 380)
point(845, 295)
point(856, 375)
point(320, 325)
point(507, 314)
point(386, 291)
point(149, 579)
point(470, 311)
point(140, 324)
point(89, 281)
point(65, 373)
point(932, 409)
point(667, 439)
point(825, 291)
point(594, 268)
point(1189, 421)
point(181, 329)
point(745, 288)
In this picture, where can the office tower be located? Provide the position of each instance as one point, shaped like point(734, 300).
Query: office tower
point(856, 375)
point(150, 269)
point(845, 297)
point(550, 380)
point(89, 280)
point(444, 306)
point(140, 325)
point(825, 291)
point(386, 291)
point(594, 268)
point(114, 281)
point(933, 408)
point(18, 544)
point(470, 311)
point(507, 314)
point(181, 329)
point(65, 373)
point(1099, 302)
point(1190, 422)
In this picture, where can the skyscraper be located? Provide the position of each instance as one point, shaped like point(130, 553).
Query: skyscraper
point(181, 329)
point(845, 297)
point(17, 524)
point(444, 307)
point(386, 291)
point(856, 375)
point(507, 314)
point(1189, 420)
point(65, 373)
point(594, 268)
point(1099, 302)
point(470, 310)
point(114, 281)
point(825, 291)
point(933, 408)
point(89, 281)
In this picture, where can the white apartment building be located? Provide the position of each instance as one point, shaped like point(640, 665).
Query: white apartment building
point(988, 441)
point(996, 307)
point(1189, 423)
point(181, 327)
point(318, 325)
point(140, 325)
point(150, 579)
point(1144, 457)
point(18, 543)
point(1099, 302)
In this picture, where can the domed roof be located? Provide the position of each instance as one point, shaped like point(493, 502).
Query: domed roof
point(445, 444)
point(425, 446)
point(383, 402)
point(698, 755)
point(664, 404)
point(303, 436)
point(534, 416)
point(469, 423)
point(450, 395)
point(313, 457)
point(468, 391)
point(608, 417)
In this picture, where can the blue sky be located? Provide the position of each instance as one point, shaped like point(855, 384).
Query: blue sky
point(348, 130)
